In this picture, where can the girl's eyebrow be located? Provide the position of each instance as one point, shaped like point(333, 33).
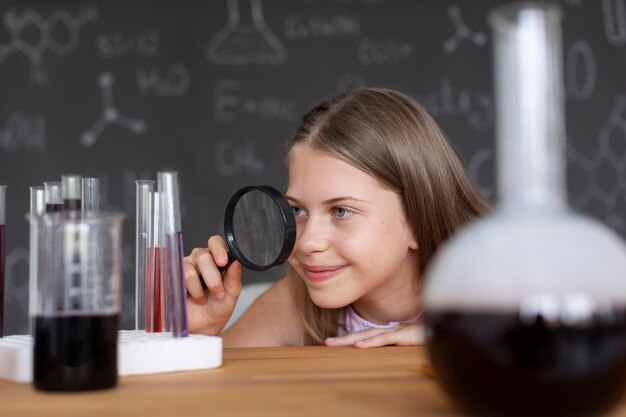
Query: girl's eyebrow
point(330, 201)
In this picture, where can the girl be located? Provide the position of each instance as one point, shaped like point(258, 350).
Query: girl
point(375, 189)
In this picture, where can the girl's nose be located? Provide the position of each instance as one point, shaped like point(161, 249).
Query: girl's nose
point(312, 236)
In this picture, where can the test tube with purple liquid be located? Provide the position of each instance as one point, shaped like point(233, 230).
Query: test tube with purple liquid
point(172, 229)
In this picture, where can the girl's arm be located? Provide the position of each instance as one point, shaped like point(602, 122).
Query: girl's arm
point(271, 320)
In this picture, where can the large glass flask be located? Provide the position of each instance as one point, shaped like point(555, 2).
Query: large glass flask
point(525, 310)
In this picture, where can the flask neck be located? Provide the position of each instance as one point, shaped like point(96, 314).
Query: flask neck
point(529, 99)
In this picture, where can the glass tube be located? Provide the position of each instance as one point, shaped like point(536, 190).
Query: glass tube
point(37, 200)
point(71, 190)
point(170, 211)
point(3, 190)
point(37, 208)
point(53, 196)
point(529, 96)
point(90, 194)
point(144, 253)
point(159, 274)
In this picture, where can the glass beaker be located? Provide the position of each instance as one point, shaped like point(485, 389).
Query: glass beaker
point(77, 302)
point(525, 310)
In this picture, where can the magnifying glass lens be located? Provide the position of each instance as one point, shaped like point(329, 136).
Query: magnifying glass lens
point(258, 228)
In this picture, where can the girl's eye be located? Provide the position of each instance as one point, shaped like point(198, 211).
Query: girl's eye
point(298, 211)
point(343, 213)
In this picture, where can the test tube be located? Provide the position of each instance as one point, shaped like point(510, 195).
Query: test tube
point(144, 252)
point(71, 190)
point(90, 194)
point(37, 200)
point(3, 193)
point(53, 196)
point(170, 213)
point(159, 295)
point(37, 208)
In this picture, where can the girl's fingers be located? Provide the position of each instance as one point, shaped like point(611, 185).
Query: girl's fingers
point(411, 335)
point(352, 338)
point(217, 246)
point(192, 279)
point(403, 335)
point(232, 280)
point(205, 264)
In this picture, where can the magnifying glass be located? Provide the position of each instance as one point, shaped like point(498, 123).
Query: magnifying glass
point(260, 227)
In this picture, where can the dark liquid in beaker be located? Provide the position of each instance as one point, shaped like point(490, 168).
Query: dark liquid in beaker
point(75, 353)
point(497, 365)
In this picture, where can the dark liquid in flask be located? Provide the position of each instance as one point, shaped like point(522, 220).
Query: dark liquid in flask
point(497, 365)
point(75, 353)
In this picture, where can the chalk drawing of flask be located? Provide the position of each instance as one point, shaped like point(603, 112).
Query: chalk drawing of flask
point(245, 38)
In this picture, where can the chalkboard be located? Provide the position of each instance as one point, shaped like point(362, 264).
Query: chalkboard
point(214, 89)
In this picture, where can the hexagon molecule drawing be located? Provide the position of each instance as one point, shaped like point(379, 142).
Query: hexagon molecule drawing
point(32, 35)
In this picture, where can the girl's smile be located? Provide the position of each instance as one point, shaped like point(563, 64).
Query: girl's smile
point(321, 273)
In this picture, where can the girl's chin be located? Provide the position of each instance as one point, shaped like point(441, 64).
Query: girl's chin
point(327, 301)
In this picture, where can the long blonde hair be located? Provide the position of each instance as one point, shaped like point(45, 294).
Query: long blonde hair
point(389, 136)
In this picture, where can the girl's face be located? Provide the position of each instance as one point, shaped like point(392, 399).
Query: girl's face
point(353, 242)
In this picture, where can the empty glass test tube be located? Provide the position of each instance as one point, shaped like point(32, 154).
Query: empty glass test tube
point(71, 189)
point(3, 193)
point(90, 194)
point(170, 213)
point(37, 200)
point(144, 254)
point(53, 196)
point(37, 208)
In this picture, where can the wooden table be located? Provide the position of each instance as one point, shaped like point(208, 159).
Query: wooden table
point(253, 382)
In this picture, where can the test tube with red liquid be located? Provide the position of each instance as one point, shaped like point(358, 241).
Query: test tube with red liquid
point(3, 193)
point(172, 229)
point(158, 275)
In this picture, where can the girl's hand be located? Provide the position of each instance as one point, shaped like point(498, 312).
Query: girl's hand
point(402, 335)
point(210, 309)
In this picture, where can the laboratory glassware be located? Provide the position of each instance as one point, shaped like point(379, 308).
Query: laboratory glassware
point(157, 282)
point(77, 306)
point(144, 254)
point(525, 309)
point(71, 188)
point(37, 208)
point(53, 196)
point(90, 194)
point(167, 184)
